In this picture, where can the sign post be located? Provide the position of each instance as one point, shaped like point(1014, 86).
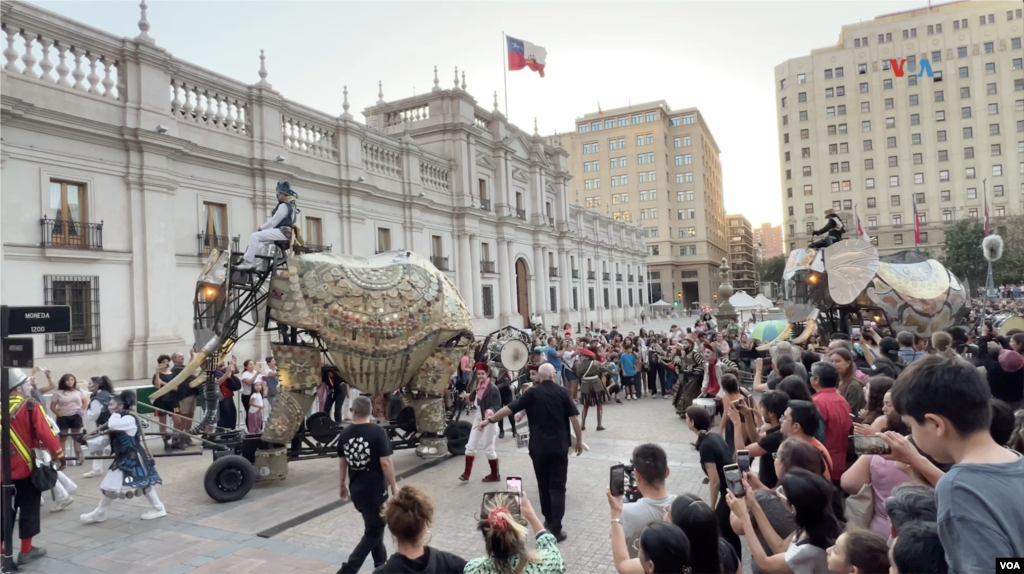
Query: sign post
point(18, 353)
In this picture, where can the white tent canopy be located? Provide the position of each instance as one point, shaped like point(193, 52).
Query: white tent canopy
point(743, 302)
point(661, 303)
point(765, 302)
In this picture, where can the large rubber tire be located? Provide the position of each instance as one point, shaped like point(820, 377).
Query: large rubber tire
point(457, 433)
point(229, 478)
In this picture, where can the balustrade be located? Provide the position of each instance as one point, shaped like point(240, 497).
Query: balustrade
point(410, 115)
point(381, 160)
point(434, 176)
point(206, 107)
point(307, 137)
point(83, 68)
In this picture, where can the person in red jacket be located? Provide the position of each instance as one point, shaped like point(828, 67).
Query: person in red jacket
point(29, 429)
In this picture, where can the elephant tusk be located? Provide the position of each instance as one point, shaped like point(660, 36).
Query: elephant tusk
point(782, 337)
point(189, 369)
point(810, 327)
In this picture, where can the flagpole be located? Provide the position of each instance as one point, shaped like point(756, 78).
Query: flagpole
point(504, 70)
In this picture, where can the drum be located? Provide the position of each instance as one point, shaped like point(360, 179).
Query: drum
point(271, 464)
point(512, 353)
point(1007, 321)
point(707, 404)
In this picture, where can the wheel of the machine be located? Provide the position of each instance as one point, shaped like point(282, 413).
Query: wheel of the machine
point(321, 427)
point(457, 433)
point(229, 478)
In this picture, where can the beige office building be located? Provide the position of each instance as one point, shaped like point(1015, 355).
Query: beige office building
point(742, 255)
point(768, 241)
point(659, 168)
point(856, 133)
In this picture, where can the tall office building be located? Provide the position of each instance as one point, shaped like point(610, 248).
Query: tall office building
point(741, 254)
point(768, 241)
point(927, 135)
point(659, 168)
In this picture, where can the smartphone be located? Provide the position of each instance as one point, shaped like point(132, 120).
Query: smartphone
point(514, 484)
point(736, 404)
point(870, 445)
point(617, 480)
point(734, 481)
point(743, 460)
point(855, 332)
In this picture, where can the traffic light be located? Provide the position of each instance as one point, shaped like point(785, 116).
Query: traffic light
point(676, 303)
point(714, 296)
point(679, 294)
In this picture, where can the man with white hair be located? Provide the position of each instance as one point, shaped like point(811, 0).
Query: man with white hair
point(550, 412)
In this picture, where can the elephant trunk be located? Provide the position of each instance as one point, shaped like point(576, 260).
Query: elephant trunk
point(195, 363)
point(782, 337)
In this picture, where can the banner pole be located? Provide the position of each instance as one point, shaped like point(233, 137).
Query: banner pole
point(504, 71)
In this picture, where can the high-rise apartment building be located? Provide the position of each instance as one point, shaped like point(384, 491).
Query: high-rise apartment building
point(741, 255)
point(916, 112)
point(659, 168)
point(768, 241)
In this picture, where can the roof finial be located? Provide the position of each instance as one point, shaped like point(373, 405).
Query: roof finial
point(344, 105)
point(535, 126)
point(463, 81)
point(437, 83)
point(495, 100)
point(380, 92)
point(456, 77)
point(144, 26)
point(263, 71)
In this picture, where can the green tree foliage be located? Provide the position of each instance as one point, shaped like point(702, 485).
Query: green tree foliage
point(1010, 267)
point(962, 254)
point(771, 269)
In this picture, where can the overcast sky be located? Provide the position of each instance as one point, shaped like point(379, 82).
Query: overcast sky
point(718, 56)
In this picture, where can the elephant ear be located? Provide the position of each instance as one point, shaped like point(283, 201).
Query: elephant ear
point(851, 264)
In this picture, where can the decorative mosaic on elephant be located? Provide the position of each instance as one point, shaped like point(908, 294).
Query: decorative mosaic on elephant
point(298, 371)
point(389, 321)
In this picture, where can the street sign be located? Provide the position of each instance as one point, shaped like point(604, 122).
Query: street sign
point(18, 353)
point(36, 320)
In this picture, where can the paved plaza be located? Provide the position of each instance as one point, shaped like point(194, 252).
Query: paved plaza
point(301, 527)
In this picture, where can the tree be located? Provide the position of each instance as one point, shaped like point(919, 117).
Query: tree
point(962, 254)
point(1010, 267)
point(771, 269)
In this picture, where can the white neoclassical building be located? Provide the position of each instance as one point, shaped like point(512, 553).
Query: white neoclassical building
point(122, 165)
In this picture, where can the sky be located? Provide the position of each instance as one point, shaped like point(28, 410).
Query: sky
point(717, 56)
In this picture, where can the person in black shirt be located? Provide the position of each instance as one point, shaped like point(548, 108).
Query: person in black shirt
point(773, 405)
point(550, 411)
point(364, 455)
point(714, 457)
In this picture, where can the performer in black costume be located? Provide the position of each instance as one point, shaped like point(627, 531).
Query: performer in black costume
point(833, 230)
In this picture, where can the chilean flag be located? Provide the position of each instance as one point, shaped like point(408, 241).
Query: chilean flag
point(525, 55)
point(917, 226)
point(860, 228)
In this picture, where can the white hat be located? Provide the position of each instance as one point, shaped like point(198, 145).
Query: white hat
point(16, 378)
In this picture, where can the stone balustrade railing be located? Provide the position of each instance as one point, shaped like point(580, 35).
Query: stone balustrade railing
point(435, 177)
point(308, 131)
point(412, 114)
point(381, 155)
point(209, 107)
point(75, 57)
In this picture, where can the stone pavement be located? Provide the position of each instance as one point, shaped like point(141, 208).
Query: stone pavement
point(201, 536)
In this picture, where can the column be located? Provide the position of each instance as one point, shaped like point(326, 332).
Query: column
point(565, 284)
point(504, 271)
point(464, 273)
point(477, 309)
point(540, 274)
point(599, 318)
point(510, 280)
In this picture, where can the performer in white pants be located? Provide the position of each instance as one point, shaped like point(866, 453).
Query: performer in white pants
point(133, 472)
point(65, 486)
point(101, 393)
point(488, 401)
point(277, 228)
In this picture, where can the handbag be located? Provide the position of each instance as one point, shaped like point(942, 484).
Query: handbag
point(860, 508)
point(43, 477)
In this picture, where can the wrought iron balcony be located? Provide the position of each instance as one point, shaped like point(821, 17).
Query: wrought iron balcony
point(618, 276)
point(219, 242)
point(551, 221)
point(640, 279)
point(606, 276)
point(630, 278)
point(485, 204)
point(575, 273)
point(591, 275)
point(521, 214)
point(71, 234)
point(440, 262)
point(487, 266)
point(553, 272)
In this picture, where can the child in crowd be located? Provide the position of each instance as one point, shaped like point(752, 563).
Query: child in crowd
point(254, 420)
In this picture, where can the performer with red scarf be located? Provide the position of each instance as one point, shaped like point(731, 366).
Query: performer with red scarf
point(488, 401)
